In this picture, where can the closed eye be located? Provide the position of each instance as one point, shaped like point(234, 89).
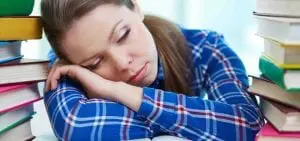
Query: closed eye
point(124, 36)
point(95, 65)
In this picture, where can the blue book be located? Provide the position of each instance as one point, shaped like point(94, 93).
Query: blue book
point(10, 51)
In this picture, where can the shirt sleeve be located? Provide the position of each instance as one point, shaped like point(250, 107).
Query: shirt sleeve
point(229, 113)
point(75, 118)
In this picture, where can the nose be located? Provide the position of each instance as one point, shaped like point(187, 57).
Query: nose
point(120, 59)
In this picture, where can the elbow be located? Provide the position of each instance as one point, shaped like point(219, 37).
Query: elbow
point(252, 119)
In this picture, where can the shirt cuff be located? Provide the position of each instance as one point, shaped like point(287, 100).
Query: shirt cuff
point(147, 106)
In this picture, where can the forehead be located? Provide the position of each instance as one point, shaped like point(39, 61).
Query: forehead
point(91, 32)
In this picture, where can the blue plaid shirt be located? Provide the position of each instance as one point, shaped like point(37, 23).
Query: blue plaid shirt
point(228, 113)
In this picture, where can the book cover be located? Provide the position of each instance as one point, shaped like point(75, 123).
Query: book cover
point(282, 8)
point(9, 127)
point(286, 79)
point(269, 133)
point(282, 54)
point(21, 132)
point(20, 28)
point(280, 29)
point(24, 70)
point(16, 7)
point(20, 96)
point(11, 117)
point(269, 90)
point(282, 117)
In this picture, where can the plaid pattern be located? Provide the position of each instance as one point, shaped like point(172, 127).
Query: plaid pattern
point(228, 112)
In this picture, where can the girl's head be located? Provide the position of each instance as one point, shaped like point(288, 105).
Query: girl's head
point(113, 39)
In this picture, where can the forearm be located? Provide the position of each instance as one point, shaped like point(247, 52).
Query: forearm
point(193, 117)
point(128, 95)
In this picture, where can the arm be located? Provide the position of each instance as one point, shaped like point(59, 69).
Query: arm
point(74, 117)
point(228, 114)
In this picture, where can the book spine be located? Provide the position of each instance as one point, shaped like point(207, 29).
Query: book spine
point(20, 28)
point(271, 71)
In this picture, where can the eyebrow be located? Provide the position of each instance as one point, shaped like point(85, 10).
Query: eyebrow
point(110, 36)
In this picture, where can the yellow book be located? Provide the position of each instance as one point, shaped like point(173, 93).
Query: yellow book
point(20, 28)
point(283, 66)
point(282, 53)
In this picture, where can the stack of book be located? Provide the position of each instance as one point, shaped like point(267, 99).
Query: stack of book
point(18, 76)
point(278, 86)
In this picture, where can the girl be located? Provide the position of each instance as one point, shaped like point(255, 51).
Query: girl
point(121, 75)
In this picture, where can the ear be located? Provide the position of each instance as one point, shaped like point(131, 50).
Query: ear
point(137, 9)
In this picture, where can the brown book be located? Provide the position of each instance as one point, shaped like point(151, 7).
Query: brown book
point(267, 89)
point(24, 70)
point(283, 118)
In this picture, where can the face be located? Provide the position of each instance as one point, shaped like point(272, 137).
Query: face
point(113, 42)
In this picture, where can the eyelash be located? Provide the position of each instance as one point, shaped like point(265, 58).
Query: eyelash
point(124, 36)
point(94, 66)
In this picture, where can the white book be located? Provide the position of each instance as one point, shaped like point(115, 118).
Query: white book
point(289, 8)
point(283, 30)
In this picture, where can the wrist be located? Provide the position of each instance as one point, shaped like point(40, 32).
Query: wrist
point(128, 95)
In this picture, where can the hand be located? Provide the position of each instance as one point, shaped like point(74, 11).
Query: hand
point(95, 85)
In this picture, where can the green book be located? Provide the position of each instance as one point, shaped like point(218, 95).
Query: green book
point(16, 7)
point(287, 79)
point(15, 124)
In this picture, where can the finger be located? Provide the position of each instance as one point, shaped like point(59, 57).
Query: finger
point(59, 71)
point(54, 78)
point(47, 86)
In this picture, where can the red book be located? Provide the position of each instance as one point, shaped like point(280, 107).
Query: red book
point(269, 133)
point(16, 96)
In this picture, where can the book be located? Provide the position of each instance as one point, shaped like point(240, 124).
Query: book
point(283, 118)
point(20, 132)
point(10, 51)
point(288, 80)
point(16, 7)
point(269, 133)
point(283, 30)
point(282, 54)
point(24, 70)
point(10, 118)
point(17, 96)
point(267, 89)
point(20, 28)
point(284, 8)
point(16, 123)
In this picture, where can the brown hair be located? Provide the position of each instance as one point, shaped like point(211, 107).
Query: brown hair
point(58, 16)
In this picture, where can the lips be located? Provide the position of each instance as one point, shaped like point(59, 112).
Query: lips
point(139, 75)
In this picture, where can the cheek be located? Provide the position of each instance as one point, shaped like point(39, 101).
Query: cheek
point(107, 73)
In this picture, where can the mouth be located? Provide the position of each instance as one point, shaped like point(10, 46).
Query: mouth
point(139, 75)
